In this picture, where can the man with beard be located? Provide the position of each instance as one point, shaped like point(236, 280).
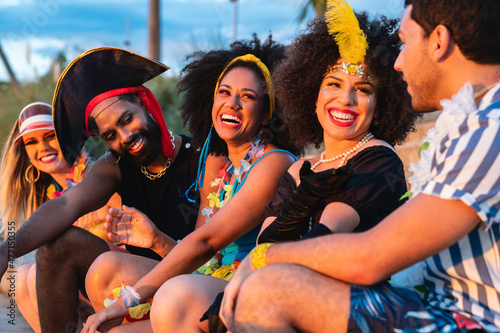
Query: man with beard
point(450, 58)
point(101, 92)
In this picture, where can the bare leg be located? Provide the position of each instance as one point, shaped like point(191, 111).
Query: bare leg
point(138, 326)
point(290, 298)
point(109, 270)
point(61, 268)
point(180, 303)
point(26, 295)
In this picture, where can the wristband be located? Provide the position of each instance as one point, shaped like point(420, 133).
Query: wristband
point(139, 311)
point(258, 255)
point(129, 296)
point(131, 299)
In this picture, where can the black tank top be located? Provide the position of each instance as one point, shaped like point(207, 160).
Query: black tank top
point(163, 200)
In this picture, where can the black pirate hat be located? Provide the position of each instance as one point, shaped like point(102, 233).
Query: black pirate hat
point(93, 73)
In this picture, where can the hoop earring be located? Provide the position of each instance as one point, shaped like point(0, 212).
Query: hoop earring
point(106, 158)
point(27, 177)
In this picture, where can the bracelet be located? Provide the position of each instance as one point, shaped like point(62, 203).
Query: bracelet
point(258, 255)
point(129, 296)
point(113, 297)
point(131, 300)
point(139, 311)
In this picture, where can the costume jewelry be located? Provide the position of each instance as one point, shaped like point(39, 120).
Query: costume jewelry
point(344, 156)
point(351, 40)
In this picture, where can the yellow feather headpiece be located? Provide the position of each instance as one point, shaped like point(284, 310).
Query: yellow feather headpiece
point(344, 26)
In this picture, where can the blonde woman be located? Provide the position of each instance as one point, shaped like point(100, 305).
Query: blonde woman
point(33, 171)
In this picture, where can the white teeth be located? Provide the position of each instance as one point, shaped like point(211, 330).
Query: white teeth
point(341, 116)
point(230, 118)
point(48, 157)
point(136, 144)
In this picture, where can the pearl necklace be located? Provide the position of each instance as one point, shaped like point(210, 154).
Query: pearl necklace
point(323, 159)
point(153, 176)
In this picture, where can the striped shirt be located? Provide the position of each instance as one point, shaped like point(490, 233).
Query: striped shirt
point(466, 166)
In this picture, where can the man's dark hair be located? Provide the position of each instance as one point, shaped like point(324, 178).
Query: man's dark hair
point(473, 25)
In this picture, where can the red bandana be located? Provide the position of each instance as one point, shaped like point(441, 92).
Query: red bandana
point(151, 104)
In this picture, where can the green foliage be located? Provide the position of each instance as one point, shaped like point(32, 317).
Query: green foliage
point(319, 7)
point(11, 103)
point(165, 91)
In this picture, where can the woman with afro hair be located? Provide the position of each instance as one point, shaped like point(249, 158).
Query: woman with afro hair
point(230, 105)
point(358, 110)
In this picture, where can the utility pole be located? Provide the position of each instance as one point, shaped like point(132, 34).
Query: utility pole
point(13, 80)
point(127, 32)
point(154, 29)
point(235, 19)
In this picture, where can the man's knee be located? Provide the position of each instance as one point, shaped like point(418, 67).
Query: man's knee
point(266, 281)
point(258, 290)
point(64, 244)
point(267, 294)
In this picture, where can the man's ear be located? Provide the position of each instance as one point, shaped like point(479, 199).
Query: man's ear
point(441, 43)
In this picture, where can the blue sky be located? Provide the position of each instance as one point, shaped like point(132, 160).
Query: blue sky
point(47, 27)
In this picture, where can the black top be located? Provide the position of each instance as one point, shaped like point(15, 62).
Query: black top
point(163, 200)
point(374, 190)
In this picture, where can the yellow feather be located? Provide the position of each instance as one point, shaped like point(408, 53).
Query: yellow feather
point(344, 26)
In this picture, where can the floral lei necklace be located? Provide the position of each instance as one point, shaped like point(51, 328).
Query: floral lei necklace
point(225, 191)
point(76, 173)
point(455, 111)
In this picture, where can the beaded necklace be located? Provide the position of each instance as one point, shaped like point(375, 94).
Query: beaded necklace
point(225, 191)
point(344, 156)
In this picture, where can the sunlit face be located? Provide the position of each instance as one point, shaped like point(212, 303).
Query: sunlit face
point(128, 130)
point(414, 61)
point(345, 106)
point(238, 110)
point(44, 152)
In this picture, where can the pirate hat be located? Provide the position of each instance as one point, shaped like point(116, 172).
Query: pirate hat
point(91, 74)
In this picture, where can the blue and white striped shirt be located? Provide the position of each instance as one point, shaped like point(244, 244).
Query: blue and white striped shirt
point(466, 166)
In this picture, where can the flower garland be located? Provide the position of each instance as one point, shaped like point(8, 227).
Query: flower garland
point(136, 311)
point(225, 191)
point(454, 113)
point(76, 176)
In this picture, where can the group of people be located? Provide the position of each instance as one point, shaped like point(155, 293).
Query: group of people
point(229, 230)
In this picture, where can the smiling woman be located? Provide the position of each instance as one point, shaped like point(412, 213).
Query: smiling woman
point(31, 160)
point(33, 171)
point(356, 104)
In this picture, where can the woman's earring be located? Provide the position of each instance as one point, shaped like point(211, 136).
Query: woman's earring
point(31, 179)
point(106, 157)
